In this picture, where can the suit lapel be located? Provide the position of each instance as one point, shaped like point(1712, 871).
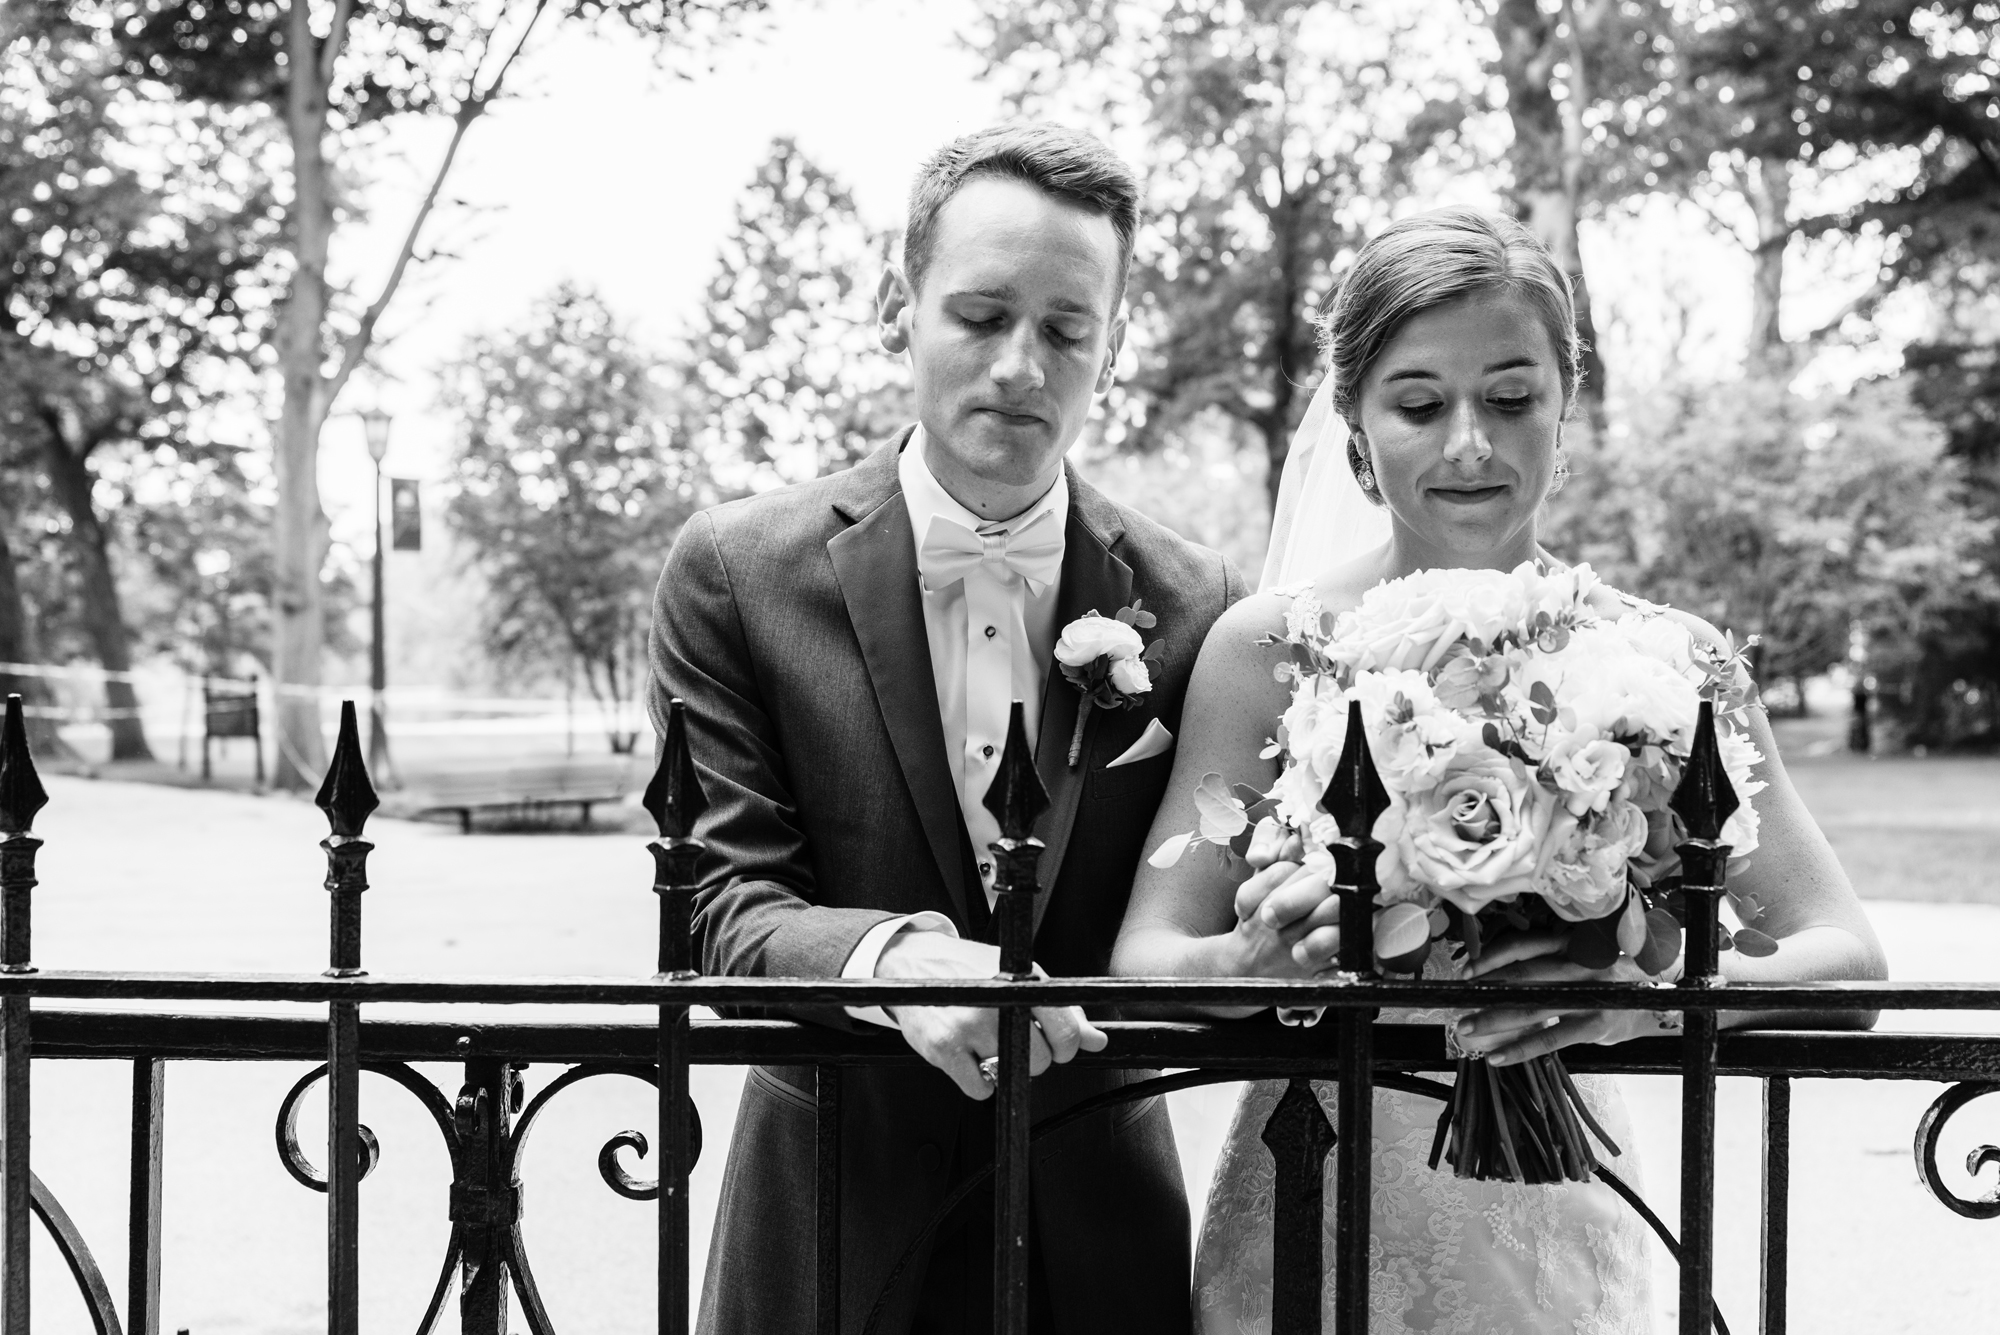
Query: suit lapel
point(875, 563)
point(1092, 580)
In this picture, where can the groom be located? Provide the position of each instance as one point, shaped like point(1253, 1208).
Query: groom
point(848, 649)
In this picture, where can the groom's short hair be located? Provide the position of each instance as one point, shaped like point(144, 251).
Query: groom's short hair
point(1067, 164)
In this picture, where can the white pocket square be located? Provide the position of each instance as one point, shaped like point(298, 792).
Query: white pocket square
point(1154, 741)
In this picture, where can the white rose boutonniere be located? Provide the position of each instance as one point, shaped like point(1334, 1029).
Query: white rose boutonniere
point(1104, 658)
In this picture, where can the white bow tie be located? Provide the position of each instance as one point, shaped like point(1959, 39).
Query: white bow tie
point(951, 551)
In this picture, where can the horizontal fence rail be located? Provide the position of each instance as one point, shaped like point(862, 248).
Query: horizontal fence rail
point(486, 1121)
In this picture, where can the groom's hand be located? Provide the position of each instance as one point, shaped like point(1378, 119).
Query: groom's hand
point(955, 1039)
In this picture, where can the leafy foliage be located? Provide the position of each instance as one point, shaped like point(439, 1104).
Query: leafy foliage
point(126, 295)
point(1793, 520)
point(1272, 137)
point(572, 478)
point(788, 376)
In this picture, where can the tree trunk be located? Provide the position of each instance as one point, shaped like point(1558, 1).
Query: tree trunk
point(298, 614)
point(103, 618)
point(1768, 187)
point(16, 647)
point(1547, 153)
point(1292, 350)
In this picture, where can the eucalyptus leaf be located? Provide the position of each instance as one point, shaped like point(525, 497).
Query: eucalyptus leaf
point(1755, 944)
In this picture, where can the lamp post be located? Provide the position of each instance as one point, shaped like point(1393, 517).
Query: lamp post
point(375, 424)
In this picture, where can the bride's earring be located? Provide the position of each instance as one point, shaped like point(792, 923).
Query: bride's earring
point(1562, 472)
point(1364, 472)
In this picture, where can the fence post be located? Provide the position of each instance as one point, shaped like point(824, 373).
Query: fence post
point(675, 800)
point(149, 1106)
point(1774, 1269)
point(1704, 801)
point(1356, 799)
point(347, 798)
point(1016, 798)
point(486, 1200)
point(21, 796)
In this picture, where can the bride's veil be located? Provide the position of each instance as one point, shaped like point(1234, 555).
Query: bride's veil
point(1323, 518)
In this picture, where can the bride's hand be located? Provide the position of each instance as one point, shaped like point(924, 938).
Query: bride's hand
point(1278, 910)
point(1508, 1034)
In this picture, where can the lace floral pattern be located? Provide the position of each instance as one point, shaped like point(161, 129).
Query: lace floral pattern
point(1447, 1256)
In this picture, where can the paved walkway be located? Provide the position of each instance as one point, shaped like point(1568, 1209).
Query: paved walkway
point(139, 876)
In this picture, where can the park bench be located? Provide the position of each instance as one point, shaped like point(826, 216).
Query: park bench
point(519, 790)
point(230, 710)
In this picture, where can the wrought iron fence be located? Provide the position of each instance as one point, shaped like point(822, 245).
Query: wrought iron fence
point(486, 1124)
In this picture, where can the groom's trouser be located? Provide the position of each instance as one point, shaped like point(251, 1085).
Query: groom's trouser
point(956, 1297)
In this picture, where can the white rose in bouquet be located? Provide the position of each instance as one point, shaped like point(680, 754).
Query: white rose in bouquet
point(1586, 878)
point(1475, 837)
point(1609, 690)
point(1411, 735)
point(1482, 605)
point(1588, 771)
point(1658, 637)
point(1398, 625)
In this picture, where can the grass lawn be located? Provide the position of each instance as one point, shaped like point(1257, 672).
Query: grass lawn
point(1905, 828)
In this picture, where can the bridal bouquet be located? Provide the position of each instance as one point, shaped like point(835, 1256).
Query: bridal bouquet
point(1530, 745)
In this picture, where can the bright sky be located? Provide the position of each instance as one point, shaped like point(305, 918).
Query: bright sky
point(611, 173)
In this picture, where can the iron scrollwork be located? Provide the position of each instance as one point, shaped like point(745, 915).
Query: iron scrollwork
point(1930, 1128)
point(485, 1239)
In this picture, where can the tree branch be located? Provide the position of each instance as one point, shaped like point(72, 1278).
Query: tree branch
point(336, 38)
point(470, 108)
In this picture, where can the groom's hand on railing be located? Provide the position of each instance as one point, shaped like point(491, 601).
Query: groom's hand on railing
point(955, 1039)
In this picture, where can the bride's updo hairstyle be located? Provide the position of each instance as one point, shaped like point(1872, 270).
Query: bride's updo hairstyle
point(1430, 260)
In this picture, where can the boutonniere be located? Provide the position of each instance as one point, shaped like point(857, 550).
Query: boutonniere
point(1104, 658)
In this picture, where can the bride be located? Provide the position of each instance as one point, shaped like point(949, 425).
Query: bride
point(1434, 441)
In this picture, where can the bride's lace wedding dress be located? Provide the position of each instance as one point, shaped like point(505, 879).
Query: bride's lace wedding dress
point(1447, 1256)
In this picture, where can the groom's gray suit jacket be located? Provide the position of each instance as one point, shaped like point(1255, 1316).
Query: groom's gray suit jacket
point(792, 625)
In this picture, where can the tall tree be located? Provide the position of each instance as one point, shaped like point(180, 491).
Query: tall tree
point(572, 478)
point(1547, 62)
point(1273, 136)
point(121, 295)
point(326, 73)
point(788, 376)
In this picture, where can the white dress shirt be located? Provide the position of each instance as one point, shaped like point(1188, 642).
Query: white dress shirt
point(992, 639)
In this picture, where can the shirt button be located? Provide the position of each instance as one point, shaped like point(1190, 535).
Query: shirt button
point(986, 751)
point(985, 869)
point(991, 631)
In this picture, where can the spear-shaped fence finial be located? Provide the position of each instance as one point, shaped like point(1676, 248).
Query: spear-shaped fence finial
point(347, 798)
point(1016, 796)
point(21, 796)
point(1704, 801)
point(346, 795)
point(674, 797)
point(1356, 799)
point(1017, 799)
point(675, 800)
point(1354, 796)
point(21, 791)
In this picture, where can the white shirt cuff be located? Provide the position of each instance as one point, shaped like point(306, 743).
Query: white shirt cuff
point(868, 951)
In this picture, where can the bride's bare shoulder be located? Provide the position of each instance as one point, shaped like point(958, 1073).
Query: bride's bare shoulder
point(1250, 620)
